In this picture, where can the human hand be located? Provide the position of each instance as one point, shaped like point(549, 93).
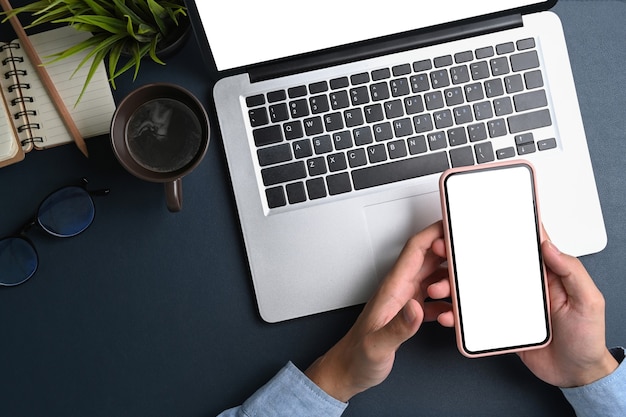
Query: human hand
point(364, 357)
point(577, 354)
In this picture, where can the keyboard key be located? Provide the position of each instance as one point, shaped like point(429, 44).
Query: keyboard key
point(336, 162)
point(400, 170)
point(459, 74)
point(359, 95)
point(361, 78)
point(477, 132)
point(434, 100)
point(483, 110)
point(339, 100)
point(299, 108)
point(333, 121)
point(457, 136)
point(525, 44)
point(396, 149)
point(275, 197)
point(379, 91)
point(353, 117)
point(382, 131)
point(399, 70)
point(440, 78)
point(258, 117)
point(275, 96)
point(279, 112)
point(505, 153)
point(417, 145)
point(322, 144)
point(296, 193)
point(513, 83)
point(283, 173)
point(257, 100)
point(399, 87)
point(493, 88)
point(505, 48)
point(339, 183)
point(474, 92)
point(337, 83)
point(496, 128)
point(461, 157)
point(463, 115)
point(381, 74)
point(393, 109)
point(463, 57)
point(484, 152)
point(313, 126)
point(526, 148)
point(302, 149)
point(422, 123)
point(318, 87)
point(531, 100)
point(316, 166)
point(376, 153)
point(267, 135)
point(524, 138)
point(453, 96)
point(295, 92)
point(528, 121)
point(420, 83)
point(546, 144)
point(443, 61)
point(374, 113)
point(479, 70)
point(533, 79)
point(413, 105)
point(293, 130)
point(316, 188)
point(486, 52)
point(443, 119)
point(342, 140)
point(436, 141)
point(362, 136)
point(274, 154)
point(423, 65)
point(402, 127)
point(319, 104)
point(524, 61)
point(356, 157)
point(503, 106)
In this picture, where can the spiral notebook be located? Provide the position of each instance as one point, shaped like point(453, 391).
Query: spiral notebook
point(30, 120)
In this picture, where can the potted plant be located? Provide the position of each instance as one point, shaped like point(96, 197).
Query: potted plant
point(122, 29)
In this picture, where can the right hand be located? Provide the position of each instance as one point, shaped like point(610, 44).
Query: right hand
point(577, 354)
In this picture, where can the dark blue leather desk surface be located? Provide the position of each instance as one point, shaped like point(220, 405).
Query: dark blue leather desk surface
point(149, 313)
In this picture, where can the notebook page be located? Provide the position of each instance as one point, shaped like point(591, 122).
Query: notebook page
point(8, 143)
point(93, 113)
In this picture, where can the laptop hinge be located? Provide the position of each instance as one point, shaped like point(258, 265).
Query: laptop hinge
point(383, 46)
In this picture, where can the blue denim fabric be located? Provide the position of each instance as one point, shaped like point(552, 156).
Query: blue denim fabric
point(605, 397)
point(290, 394)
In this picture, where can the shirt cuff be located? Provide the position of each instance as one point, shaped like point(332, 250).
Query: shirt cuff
point(604, 397)
point(290, 393)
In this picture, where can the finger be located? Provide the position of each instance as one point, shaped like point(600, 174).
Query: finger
point(440, 289)
point(414, 264)
point(434, 309)
point(439, 248)
point(402, 327)
point(446, 319)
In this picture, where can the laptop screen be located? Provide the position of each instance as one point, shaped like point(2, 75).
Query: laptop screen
point(245, 33)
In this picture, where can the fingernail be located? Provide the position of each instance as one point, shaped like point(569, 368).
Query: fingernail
point(553, 247)
point(409, 314)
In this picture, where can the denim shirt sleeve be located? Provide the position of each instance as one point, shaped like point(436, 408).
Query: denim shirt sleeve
point(605, 397)
point(290, 393)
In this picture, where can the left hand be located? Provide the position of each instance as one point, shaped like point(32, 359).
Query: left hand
point(364, 357)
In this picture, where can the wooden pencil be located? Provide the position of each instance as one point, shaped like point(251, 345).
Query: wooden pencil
point(45, 79)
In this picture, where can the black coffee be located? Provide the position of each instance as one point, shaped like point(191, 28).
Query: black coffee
point(163, 135)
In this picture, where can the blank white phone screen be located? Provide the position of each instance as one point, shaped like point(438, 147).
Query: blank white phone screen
point(497, 261)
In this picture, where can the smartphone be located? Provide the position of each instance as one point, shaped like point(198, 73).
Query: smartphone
point(493, 234)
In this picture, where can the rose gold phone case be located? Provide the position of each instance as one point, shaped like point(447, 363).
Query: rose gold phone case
point(451, 272)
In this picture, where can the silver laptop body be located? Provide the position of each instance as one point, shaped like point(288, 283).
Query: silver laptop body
point(322, 220)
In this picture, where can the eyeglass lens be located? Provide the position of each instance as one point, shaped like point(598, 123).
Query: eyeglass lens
point(64, 213)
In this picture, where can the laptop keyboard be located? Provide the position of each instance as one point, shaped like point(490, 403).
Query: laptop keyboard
point(365, 130)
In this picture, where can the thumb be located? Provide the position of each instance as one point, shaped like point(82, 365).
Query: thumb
point(570, 271)
point(402, 327)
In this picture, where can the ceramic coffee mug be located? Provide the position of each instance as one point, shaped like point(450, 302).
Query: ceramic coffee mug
point(160, 132)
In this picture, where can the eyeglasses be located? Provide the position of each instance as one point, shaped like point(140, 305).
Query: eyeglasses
point(66, 212)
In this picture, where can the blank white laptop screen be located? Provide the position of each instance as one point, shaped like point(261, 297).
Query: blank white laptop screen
point(244, 33)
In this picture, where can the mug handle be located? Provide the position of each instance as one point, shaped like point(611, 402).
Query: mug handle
point(174, 195)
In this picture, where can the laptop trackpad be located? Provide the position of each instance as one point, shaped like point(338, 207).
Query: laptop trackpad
point(392, 223)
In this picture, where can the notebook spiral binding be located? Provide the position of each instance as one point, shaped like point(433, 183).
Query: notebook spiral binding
point(18, 86)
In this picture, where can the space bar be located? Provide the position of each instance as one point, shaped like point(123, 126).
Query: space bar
point(400, 170)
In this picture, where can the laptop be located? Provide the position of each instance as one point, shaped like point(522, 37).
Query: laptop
point(338, 119)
